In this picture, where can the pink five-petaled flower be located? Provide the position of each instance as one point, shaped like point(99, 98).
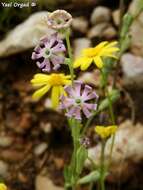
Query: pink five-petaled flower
point(77, 100)
point(49, 53)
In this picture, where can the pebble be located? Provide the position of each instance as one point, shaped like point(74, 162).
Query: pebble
point(116, 17)
point(44, 183)
point(132, 67)
point(5, 141)
point(97, 30)
point(100, 14)
point(110, 33)
point(40, 149)
point(80, 24)
point(3, 169)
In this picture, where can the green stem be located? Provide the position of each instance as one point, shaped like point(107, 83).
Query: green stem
point(102, 166)
point(111, 115)
point(113, 122)
point(70, 55)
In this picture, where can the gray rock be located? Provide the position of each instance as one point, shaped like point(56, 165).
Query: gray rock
point(109, 33)
point(79, 44)
point(127, 150)
point(97, 30)
point(132, 67)
point(116, 17)
point(26, 35)
point(5, 141)
point(3, 169)
point(40, 149)
point(44, 183)
point(100, 14)
point(136, 31)
point(80, 24)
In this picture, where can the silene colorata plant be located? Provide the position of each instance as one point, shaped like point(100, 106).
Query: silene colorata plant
point(78, 101)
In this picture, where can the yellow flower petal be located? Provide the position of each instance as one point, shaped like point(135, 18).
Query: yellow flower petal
point(55, 96)
point(3, 186)
point(100, 46)
point(86, 63)
point(105, 132)
point(98, 61)
point(78, 62)
point(40, 79)
point(39, 93)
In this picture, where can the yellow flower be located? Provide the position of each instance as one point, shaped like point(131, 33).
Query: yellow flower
point(3, 186)
point(54, 82)
point(105, 132)
point(89, 55)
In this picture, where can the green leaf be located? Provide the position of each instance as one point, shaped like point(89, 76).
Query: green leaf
point(126, 23)
point(114, 96)
point(81, 156)
point(91, 177)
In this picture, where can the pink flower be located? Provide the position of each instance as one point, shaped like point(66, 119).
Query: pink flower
point(49, 53)
point(78, 99)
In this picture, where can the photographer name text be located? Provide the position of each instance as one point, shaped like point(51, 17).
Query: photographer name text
point(18, 5)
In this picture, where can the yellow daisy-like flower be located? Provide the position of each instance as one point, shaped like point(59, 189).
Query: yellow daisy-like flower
point(105, 132)
point(89, 55)
point(54, 82)
point(3, 186)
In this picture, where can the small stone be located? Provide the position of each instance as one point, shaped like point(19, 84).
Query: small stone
point(109, 33)
point(46, 127)
point(40, 149)
point(136, 30)
point(44, 183)
point(92, 78)
point(3, 169)
point(133, 70)
point(100, 14)
point(5, 141)
point(97, 30)
point(80, 24)
point(79, 44)
point(116, 17)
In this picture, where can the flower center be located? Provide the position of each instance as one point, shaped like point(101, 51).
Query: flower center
point(47, 53)
point(78, 101)
point(56, 80)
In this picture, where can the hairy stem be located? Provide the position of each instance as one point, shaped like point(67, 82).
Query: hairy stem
point(70, 55)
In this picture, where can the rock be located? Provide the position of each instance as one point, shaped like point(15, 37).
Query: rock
point(80, 24)
point(100, 14)
point(3, 169)
point(46, 127)
point(92, 78)
point(97, 30)
point(132, 67)
point(109, 33)
point(5, 141)
point(44, 183)
point(40, 149)
point(79, 44)
point(116, 17)
point(127, 151)
point(26, 35)
point(136, 31)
